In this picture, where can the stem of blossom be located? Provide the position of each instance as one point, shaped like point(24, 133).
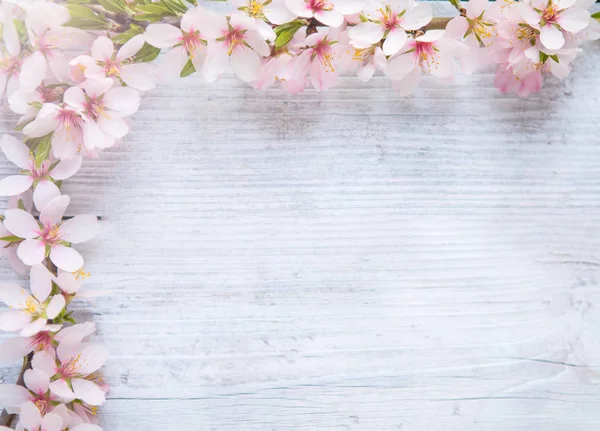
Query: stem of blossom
point(6, 419)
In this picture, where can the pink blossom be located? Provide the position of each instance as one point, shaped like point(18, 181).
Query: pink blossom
point(42, 177)
point(554, 19)
point(51, 236)
point(321, 58)
point(31, 419)
point(390, 22)
point(328, 12)
point(31, 312)
point(237, 40)
point(103, 109)
point(430, 53)
point(36, 390)
point(75, 371)
point(276, 12)
point(506, 81)
point(255, 9)
point(367, 61)
point(106, 63)
point(187, 43)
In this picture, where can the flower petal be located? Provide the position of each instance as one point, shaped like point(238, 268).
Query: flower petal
point(93, 356)
point(30, 417)
point(56, 305)
point(21, 223)
point(13, 320)
point(52, 422)
point(61, 389)
point(115, 127)
point(54, 211)
point(368, 32)
point(80, 228)
point(13, 395)
point(246, 64)
point(417, 17)
point(141, 76)
point(131, 47)
point(14, 349)
point(394, 42)
point(15, 151)
point(36, 381)
point(299, 8)
point(331, 18)
point(574, 20)
point(400, 66)
point(66, 258)
point(551, 37)
point(277, 13)
point(45, 363)
point(15, 184)
point(162, 35)
point(88, 392)
point(122, 99)
point(41, 282)
point(44, 192)
point(14, 296)
point(66, 168)
point(31, 251)
point(33, 71)
point(33, 327)
point(102, 49)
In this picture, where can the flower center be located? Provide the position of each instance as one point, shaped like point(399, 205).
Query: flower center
point(71, 368)
point(389, 20)
point(112, 68)
point(319, 5)
point(51, 235)
point(192, 42)
point(10, 66)
point(94, 108)
point(32, 306)
point(480, 29)
point(427, 55)
point(235, 39)
point(323, 52)
point(550, 13)
point(526, 33)
point(255, 8)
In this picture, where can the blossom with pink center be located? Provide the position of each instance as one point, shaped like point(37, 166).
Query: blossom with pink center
point(75, 371)
point(430, 53)
point(389, 22)
point(328, 12)
point(36, 390)
point(10, 67)
point(367, 61)
point(477, 30)
point(51, 237)
point(554, 19)
point(255, 9)
point(234, 40)
point(42, 177)
point(103, 109)
point(321, 59)
point(67, 127)
point(188, 42)
point(31, 312)
point(31, 419)
point(106, 63)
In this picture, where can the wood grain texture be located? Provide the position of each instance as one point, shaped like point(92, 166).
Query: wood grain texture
point(350, 260)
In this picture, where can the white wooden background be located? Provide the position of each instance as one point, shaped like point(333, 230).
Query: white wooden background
point(350, 260)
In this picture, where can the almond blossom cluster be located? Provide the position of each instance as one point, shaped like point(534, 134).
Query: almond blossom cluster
point(75, 73)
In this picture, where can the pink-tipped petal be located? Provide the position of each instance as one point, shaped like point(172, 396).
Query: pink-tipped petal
point(13, 320)
point(162, 35)
point(30, 417)
point(61, 388)
point(102, 49)
point(131, 47)
point(13, 395)
point(551, 37)
point(13, 350)
point(31, 251)
point(36, 381)
point(33, 327)
point(20, 223)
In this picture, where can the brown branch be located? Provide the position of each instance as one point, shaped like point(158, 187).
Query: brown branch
point(437, 24)
point(7, 419)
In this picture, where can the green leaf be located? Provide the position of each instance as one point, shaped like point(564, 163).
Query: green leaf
point(123, 38)
point(175, 5)
point(42, 150)
point(554, 57)
point(86, 19)
point(596, 15)
point(543, 57)
point(286, 35)
point(11, 238)
point(153, 12)
point(117, 6)
point(147, 53)
point(188, 69)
